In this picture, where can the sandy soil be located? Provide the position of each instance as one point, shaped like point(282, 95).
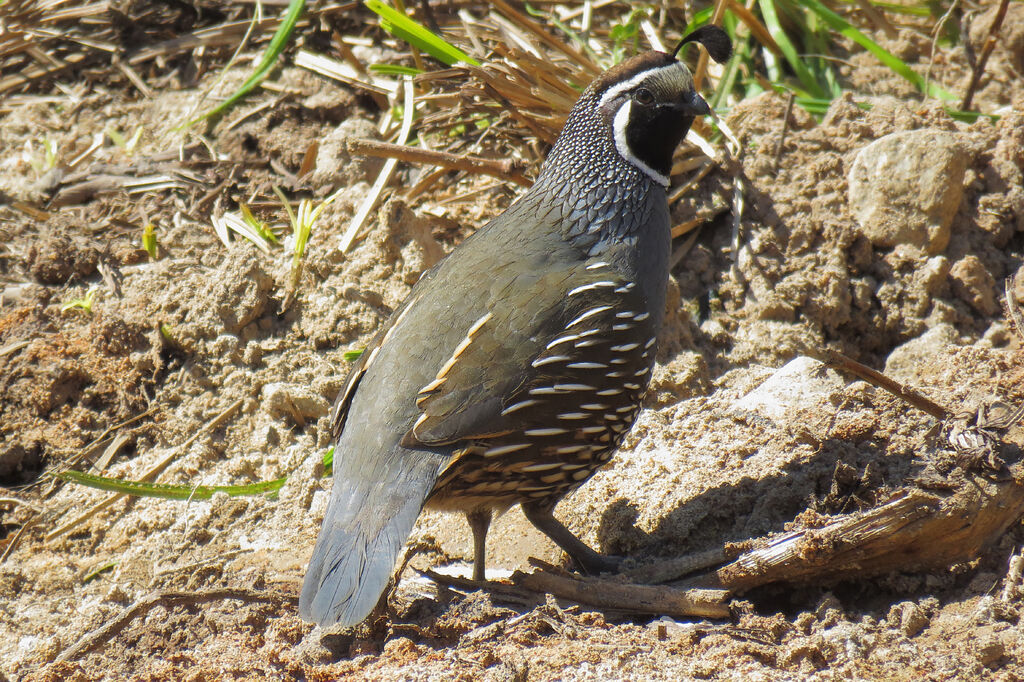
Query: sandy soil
point(181, 339)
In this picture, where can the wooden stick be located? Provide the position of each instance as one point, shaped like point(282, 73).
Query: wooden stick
point(840, 362)
point(986, 51)
point(167, 598)
point(671, 569)
point(508, 169)
point(631, 598)
point(915, 531)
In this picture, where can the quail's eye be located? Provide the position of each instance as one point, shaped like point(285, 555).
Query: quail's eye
point(643, 96)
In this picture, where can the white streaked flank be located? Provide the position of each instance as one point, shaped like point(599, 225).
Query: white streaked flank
point(590, 287)
point(562, 339)
point(545, 390)
point(588, 314)
point(540, 362)
point(586, 365)
point(518, 406)
point(545, 432)
point(506, 449)
point(574, 387)
point(546, 466)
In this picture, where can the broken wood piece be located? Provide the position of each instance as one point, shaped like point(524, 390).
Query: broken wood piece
point(915, 531)
point(668, 570)
point(628, 597)
point(507, 169)
point(842, 363)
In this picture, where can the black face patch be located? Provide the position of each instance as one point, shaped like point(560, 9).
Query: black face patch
point(653, 132)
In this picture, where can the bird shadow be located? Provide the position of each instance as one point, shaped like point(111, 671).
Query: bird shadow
point(839, 477)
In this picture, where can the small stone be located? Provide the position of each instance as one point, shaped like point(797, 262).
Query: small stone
point(803, 383)
point(933, 275)
point(974, 285)
point(912, 619)
point(904, 361)
point(283, 399)
point(117, 594)
point(990, 648)
point(335, 167)
point(905, 188)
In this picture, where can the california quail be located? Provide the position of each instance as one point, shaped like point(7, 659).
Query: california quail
point(516, 365)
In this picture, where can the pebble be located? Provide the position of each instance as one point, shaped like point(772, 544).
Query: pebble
point(904, 361)
point(973, 284)
point(905, 188)
point(284, 399)
point(801, 384)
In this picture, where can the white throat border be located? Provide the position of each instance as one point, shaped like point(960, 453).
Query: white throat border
point(619, 125)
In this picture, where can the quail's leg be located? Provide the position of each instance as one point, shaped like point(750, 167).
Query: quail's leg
point(479, 522)
point(540, 515)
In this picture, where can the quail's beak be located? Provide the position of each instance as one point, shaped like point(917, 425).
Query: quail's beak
point(692, 104)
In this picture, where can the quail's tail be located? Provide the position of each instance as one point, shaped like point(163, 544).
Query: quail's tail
point(370, 515)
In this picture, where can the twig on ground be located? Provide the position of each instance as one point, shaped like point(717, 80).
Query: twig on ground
point(169, 598)
point(505, 591)
point(668, 570)
point(842, 363)
point(507, 169)
point(17, 537)
point(986, 51)
point(915, 531)
point(385, 174)
point(785, 129)
point(630, 598)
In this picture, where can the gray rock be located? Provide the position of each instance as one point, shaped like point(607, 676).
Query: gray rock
point(905, 188)
point(802, 384)
point(904, 361)
point(974, 285)
point(283, 399)
point(335, 167)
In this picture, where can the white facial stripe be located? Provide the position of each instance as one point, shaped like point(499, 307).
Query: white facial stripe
point(613, 92)
point(619, 130)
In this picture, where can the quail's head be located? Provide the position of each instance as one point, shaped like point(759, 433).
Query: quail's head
point(646, 105)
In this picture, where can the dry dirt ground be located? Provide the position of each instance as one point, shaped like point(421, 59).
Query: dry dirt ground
point(897, 260)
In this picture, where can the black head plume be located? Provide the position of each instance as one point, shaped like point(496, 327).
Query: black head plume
point(714, 39)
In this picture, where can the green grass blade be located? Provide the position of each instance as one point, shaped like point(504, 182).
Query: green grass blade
point(274, 50)
point(180, 492)
point(166, 491)
point(803, 74)
point(95, 573)
point(404, 28)
point(394, 70)
point(894, 63)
